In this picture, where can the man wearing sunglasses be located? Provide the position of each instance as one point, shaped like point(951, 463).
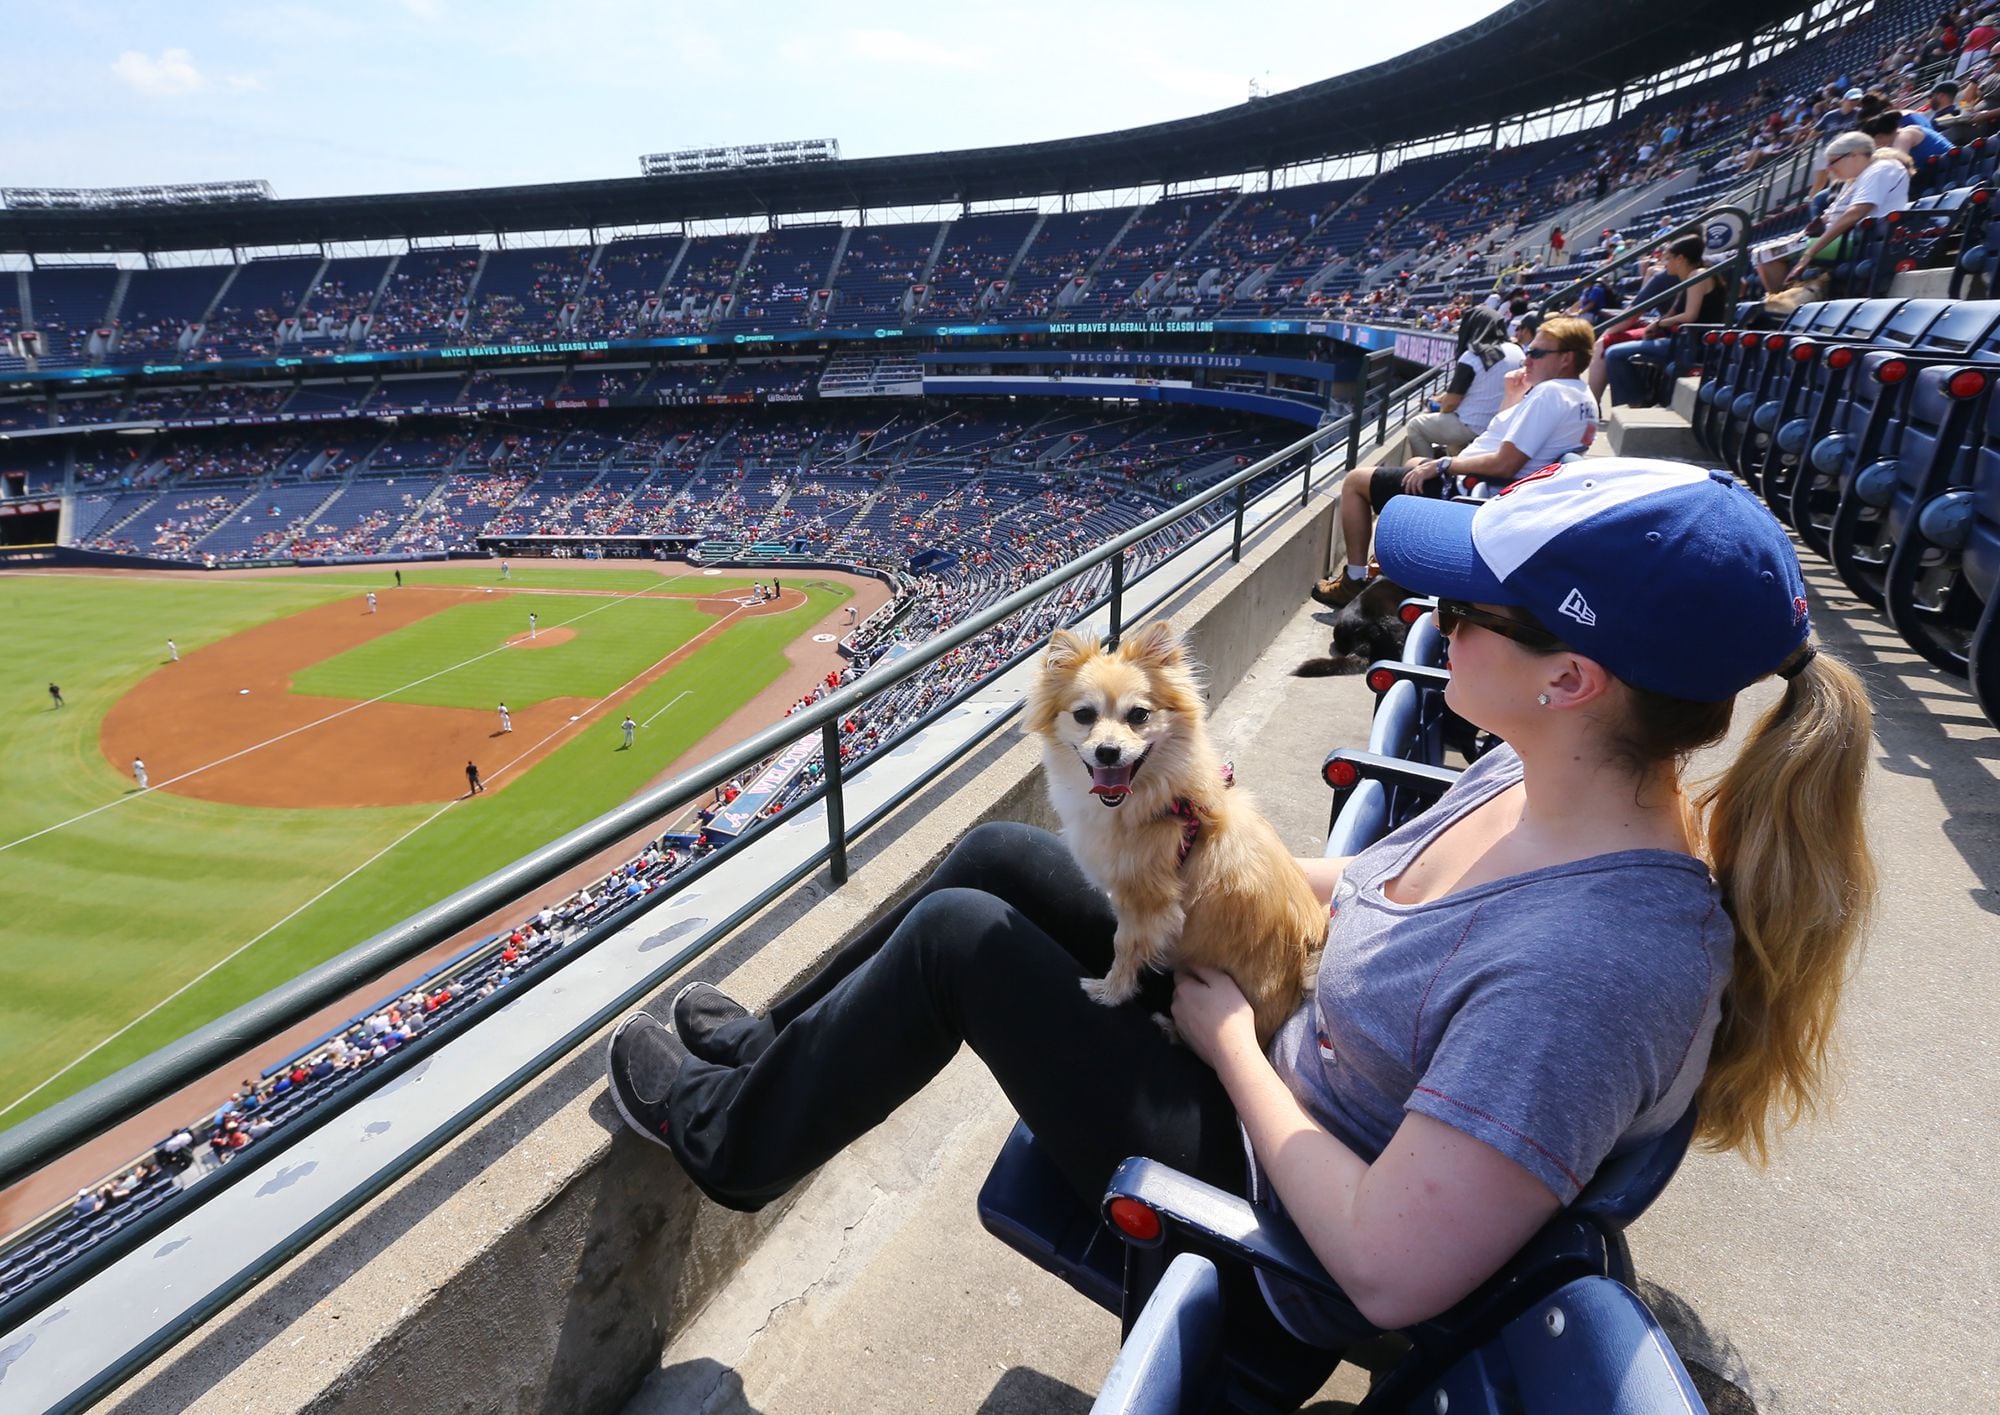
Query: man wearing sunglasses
point(1547, 411)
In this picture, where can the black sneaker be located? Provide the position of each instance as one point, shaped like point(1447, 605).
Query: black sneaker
point(641, 1064)
point(700, 1011)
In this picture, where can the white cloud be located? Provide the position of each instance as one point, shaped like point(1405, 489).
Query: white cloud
point(893, 46)
point(244, 83)
point(171, 75)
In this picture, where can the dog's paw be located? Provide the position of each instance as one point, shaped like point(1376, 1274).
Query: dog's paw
point(1106, 993)
point(1167, 1028)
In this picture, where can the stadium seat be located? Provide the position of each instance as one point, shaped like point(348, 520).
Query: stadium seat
point(1928, 522)
point(1591, 1345)
point(1162, 1213)
point(1863, 425)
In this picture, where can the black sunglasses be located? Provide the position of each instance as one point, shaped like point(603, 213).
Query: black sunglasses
point(1453, 612)
point(1539, 353)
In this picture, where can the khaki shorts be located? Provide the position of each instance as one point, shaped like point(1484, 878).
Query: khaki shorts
point(1439, 435)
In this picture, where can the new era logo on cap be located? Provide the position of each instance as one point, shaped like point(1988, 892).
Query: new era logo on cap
point(1578, 608)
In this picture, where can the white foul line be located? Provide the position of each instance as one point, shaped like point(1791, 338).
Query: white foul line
point(677, 697)
point(85, 1055)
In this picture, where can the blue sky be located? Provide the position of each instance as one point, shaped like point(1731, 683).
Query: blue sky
point(401, 95)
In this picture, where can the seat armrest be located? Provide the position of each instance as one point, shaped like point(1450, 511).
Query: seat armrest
point(1385, 671)
point(1172, 1361)
point(1204, 1218)
point(1421, 777)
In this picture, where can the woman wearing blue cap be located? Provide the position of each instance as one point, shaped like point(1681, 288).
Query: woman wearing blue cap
point(1545, 969)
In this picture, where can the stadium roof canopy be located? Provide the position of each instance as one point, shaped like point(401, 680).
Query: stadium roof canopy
point(1531, 55)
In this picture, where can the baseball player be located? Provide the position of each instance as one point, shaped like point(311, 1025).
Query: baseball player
point(56, 693)
point(173, 652)
point(139, 774)
point(505, 572)
point(628, 727)
point(532, 622)
point(851, 616)
point(371, 601)
point(506, 719)
point(472, 779)
point(399, 579)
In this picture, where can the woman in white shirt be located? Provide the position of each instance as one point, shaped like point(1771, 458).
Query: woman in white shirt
point(1877, 183)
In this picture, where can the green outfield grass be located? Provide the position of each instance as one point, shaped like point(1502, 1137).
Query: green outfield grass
point(616, 640)
point(103, 918)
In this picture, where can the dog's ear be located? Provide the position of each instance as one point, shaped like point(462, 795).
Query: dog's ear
point(1067, 649)
point(1158, 645)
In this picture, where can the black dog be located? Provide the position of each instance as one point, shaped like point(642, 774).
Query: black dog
point(1365, 630)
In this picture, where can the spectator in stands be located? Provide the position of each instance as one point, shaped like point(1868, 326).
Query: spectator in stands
point(1628, 323)
point(1978, 112)
point(1877, 183)
point(1478, 382)
point(1591, 303)
point(1699, 303)
point(1893, 129)
point(1978, 45)
point(1714, 946)
point(1547, 414)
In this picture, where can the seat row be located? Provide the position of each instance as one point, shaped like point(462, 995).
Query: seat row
point(1871, 428)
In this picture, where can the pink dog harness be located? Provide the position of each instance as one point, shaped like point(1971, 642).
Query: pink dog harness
point(1183, 810)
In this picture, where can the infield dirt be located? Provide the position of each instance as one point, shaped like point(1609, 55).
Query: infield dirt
point(229, 711)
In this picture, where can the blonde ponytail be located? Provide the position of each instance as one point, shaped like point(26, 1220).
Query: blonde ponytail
point(1784, 837)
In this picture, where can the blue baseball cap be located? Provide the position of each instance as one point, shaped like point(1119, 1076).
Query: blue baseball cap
point(1676, 579)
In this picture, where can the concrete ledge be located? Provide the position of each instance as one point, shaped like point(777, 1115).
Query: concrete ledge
point(542, 1260)
point(1683, 402)
point(1925, 285)
point(1654, 432)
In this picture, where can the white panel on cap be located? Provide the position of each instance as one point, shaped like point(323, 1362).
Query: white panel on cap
point(1509, 529)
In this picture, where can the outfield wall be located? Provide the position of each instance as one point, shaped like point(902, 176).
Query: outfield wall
point(535, 1264)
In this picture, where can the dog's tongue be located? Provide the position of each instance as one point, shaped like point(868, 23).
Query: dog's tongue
point(1110, 780)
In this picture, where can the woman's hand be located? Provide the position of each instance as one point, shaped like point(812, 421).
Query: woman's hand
point(1212, 1014)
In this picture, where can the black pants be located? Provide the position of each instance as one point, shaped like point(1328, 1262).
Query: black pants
point(988, 953)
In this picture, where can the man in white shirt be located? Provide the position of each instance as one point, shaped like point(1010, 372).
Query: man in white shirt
point(1547, 411)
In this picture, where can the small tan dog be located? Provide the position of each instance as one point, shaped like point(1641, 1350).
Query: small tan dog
point(1197, 876)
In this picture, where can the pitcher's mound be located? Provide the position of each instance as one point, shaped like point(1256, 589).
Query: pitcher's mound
point(546, 639)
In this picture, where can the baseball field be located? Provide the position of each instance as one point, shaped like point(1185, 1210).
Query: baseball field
point(306, 764)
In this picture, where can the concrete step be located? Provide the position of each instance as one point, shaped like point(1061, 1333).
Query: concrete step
point(1654, 432)
point(1683, 400)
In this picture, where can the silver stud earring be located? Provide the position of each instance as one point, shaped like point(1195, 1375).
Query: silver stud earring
point(1542, 698)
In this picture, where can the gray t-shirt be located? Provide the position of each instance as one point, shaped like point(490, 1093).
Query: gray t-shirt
point(1559, 1015)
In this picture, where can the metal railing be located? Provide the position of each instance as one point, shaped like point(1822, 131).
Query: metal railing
point(43, 1138)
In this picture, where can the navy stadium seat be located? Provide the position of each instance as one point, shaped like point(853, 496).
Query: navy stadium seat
point(1591, 1345)
point(1930, 524)
point(1924, 419)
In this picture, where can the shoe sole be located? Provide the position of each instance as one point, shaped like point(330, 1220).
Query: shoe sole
point(641, 1128)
